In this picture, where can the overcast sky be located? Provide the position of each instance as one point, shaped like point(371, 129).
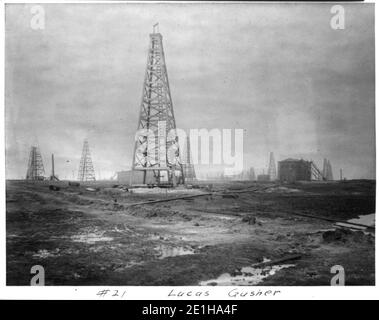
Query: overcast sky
point(280, 72)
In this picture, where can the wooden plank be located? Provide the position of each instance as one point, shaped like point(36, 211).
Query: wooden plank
point(331, 220)
point(277, 261)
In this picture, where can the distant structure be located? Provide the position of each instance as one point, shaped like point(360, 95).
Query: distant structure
point(86, 170)
point(188, 167)
point(53, 177)
point(272, 167)
point(291, 170)
point(263, 177)
point(35, 170)
point(157, 155)
point(325, 167)
point(252, 174)
point(329, 175)
point(242, 176)
point(327, 170)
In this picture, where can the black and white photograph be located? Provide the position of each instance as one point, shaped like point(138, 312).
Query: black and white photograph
point(189, 144)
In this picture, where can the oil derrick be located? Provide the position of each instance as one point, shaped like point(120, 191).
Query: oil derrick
point(53, 177)
point(329, 175)
point(36, 170)
point(325, 167)
point(327, 170)
point(86, 170)
point(188, 167)
point(156, 150)
point(272, 167)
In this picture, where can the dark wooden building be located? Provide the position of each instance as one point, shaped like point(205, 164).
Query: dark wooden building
point(291, 170)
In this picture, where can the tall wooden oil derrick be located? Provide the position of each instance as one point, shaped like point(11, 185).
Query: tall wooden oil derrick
point(325, 167)
point(156, 150)
point(327, 170)
point(272, 167)
point(86, 170)
point(53, 177)
point(35, 170)
point(189, 169)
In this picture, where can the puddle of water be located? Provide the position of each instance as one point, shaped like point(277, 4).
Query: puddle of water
point(367, 219)
point(90, 238)
point(43, 254)
point(249, 276)
point(166, 251)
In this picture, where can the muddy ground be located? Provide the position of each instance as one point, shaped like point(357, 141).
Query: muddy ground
point(92, 236)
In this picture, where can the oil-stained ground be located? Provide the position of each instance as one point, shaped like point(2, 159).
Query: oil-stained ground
point(90, 235)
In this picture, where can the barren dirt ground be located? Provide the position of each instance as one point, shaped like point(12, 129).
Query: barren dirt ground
point(92, 237)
